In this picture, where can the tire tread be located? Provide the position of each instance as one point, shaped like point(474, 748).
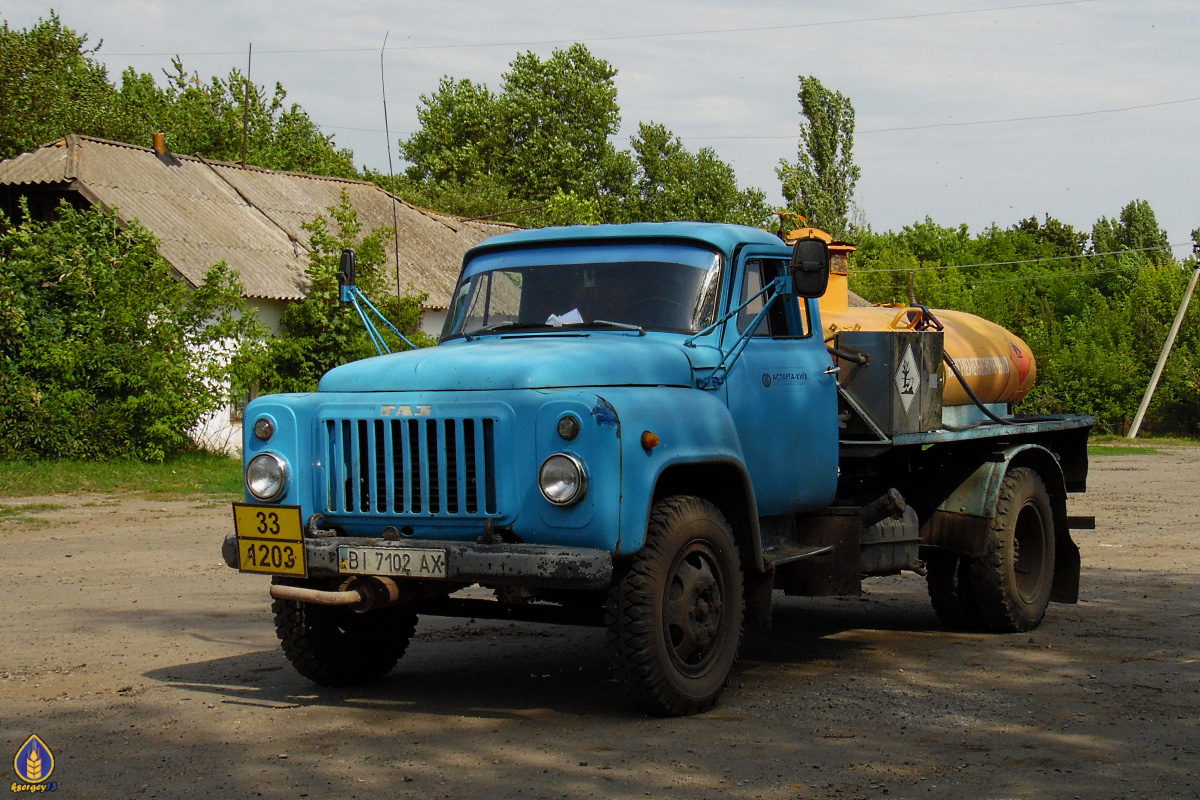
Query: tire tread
point(325, 655)
point(991, 574)
point(630, 612)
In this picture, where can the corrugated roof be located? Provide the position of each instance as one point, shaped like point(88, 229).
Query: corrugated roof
point(207, 211)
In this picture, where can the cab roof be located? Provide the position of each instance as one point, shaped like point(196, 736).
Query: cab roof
point(721, 237)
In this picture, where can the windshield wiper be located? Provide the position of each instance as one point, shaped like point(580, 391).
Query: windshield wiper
point(625, 326)
point(510, 323)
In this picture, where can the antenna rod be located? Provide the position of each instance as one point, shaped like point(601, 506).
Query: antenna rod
point(246, 104)
point(391, 175)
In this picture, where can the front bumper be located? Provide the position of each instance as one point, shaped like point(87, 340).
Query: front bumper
point(531, 565)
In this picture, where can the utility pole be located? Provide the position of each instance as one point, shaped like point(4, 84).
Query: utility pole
point(391, 175)
point(246, 104)
point(1162, 358)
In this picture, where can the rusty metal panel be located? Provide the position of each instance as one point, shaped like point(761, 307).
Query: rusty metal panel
point(833, 574)
point(890, 545)
point(961, 533)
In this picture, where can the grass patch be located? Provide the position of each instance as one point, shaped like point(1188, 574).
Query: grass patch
point(189, 474)
point(1144, 441)
point(25, 508)
point(1109, 445)
point(19, 514)
point(1121, 450)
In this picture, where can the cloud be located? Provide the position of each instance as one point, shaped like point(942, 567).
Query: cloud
point(900, 72)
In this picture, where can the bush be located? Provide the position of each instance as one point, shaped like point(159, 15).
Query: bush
point(1095, 318)
point(320, 332)
point(103, 353)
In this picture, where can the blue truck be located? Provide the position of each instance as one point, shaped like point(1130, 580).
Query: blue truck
point(644, 427)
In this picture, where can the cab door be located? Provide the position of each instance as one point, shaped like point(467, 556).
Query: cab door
point(782, 392)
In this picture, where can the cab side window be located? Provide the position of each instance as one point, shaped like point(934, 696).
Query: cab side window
point(786, 318)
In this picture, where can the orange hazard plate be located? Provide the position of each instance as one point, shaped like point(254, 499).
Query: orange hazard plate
point(270, 539)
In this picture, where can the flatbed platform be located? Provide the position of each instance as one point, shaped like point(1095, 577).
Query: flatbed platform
point(1020, 428)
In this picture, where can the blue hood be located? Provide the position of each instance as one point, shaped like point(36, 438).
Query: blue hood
point(525, 362)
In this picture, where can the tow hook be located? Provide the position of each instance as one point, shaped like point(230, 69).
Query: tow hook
point(360, 593)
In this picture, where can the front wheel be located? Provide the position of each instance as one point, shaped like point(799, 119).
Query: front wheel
point(675, 615)
point(1012, 581)
point(335, 646)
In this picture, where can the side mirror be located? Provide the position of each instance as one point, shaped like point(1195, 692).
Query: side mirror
point(346, 275)
point(810, 267)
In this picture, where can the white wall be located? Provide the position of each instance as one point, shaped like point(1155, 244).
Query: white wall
point(218, 432)
point(432, 320)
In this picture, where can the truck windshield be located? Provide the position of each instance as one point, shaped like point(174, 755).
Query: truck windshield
point(652, 295)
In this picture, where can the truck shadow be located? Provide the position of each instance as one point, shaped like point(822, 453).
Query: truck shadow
point(518, 670)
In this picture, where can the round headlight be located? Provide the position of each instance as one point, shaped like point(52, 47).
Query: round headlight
point(266, 476)
point(264, 428)
point(562, 479)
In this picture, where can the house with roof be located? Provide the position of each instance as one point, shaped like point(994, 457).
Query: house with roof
point(206, 211)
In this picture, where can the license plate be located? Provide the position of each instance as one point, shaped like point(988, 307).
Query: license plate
point(270, 539)
point(274, 558)
point(272, 523)
point(403, 561)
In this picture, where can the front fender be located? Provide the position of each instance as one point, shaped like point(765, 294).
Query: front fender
point(692, 427)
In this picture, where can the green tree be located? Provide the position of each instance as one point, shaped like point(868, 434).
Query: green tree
point(544, 141)
point(1125, 244)
point(207, 118)
point(1095, 344)
point(546, 132)
point(1061, 238)
point(1135, 229)
point(820, 184)
point(104, 353)
point(50, 85)
point(671, 183)
point(557, 116)
point(320, 332)
point(459, 138)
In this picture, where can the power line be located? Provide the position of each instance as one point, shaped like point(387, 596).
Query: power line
point(1037, 276)
point(1039, 117)
point(965, 124)
point(631, 37)
point(1167, 247)
point(735, 137)
point(1050, 276)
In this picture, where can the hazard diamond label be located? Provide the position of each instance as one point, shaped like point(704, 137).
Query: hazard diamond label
point(908, 380)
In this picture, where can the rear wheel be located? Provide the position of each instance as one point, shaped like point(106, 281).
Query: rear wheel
point(335, 646)
point(948, 579)
point(675, 615)
point(1013, 579)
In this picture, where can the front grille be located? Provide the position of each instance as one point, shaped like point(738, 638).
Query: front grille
point(425, 467)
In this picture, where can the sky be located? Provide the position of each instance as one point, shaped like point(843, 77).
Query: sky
point(975, 112)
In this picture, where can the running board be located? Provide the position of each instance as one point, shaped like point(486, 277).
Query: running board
point(786, 554)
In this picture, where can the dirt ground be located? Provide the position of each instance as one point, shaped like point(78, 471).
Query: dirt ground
point(151, 670)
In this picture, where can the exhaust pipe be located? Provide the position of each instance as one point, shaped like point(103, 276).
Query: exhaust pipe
point(360, 594)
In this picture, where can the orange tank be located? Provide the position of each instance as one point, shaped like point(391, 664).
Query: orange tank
point(997, 365)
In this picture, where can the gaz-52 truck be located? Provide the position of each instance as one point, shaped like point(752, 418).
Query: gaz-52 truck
point(654, 427)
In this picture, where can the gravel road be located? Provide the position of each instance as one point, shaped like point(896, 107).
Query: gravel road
point(151, 670)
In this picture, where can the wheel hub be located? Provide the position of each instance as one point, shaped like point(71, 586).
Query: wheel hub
point(692, 613)
point(1029, 552)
